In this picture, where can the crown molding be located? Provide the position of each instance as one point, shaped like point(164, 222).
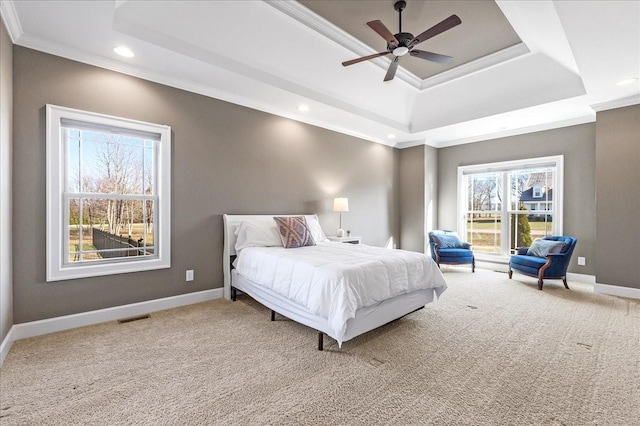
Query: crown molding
point(616, 103)
point(46, 46)
point(411, 144)
point(497, 135)
point(575, 121)
point(10, 18)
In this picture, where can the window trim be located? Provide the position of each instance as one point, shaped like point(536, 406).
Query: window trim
point(57, 269)
point(503, 166)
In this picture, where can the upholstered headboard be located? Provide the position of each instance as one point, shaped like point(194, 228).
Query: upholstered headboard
point(231, 223)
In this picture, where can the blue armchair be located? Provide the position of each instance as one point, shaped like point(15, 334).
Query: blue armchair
point(547, 257)
point(447, 248)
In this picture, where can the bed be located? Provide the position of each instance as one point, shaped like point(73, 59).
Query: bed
point(340, 290)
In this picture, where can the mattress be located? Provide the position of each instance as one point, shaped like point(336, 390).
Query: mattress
point(335, 280)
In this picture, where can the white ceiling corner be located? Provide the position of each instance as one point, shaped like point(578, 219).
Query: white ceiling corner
point(11, 20)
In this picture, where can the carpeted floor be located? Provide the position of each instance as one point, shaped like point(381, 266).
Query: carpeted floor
point(491, 351)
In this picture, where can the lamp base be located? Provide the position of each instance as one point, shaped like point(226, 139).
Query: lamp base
point(340, 233)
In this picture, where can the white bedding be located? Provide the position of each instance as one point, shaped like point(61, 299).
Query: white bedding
point(334, 280)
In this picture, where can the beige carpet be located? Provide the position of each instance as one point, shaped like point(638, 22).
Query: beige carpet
point(490, 352)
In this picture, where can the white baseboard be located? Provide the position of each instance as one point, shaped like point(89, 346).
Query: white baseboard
point(67, 322)
point(616, 290)
point(5, 346)
point(581, 278)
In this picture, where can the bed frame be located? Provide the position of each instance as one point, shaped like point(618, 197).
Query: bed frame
point(366, 319)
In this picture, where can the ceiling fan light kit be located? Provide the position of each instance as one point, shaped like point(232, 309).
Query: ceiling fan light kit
point(401, 44)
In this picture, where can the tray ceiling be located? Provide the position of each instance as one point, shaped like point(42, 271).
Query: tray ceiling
point(518, 66)
point(484, 29)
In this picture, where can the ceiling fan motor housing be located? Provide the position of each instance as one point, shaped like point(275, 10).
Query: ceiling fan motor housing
point(403, 38)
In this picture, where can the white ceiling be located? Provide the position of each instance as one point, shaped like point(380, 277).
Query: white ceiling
point(275, 55)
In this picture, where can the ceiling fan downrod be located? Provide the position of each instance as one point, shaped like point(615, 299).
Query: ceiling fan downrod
point(399, 7)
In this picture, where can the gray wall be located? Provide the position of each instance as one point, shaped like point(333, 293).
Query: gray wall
point(6, 112)
point(576, 143)
point(412, 226)
point(226, 159)
point(431, 186)
point(618, 196)
point(418, 196)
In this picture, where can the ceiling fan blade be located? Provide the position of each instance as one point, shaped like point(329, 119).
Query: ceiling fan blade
point(364, 58)
point(443, 26)
point(391, 72)
point(384, 32)
point(430, 56)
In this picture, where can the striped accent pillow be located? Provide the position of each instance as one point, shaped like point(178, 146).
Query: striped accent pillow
point(294, 232)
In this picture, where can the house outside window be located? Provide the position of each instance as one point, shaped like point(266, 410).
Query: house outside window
point(108, 194)
point(507, 205)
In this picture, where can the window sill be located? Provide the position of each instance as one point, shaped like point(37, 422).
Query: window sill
point(86, 271)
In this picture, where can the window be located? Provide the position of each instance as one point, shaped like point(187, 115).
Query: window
point(108, 195)
point(507, 205)
point(537, 191)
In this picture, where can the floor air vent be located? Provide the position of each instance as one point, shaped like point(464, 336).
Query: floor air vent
point(125, 320)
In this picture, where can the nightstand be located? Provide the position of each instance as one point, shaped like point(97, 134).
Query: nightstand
point(349, 240)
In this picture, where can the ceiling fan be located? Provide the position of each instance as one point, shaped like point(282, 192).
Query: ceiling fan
point(401, 43)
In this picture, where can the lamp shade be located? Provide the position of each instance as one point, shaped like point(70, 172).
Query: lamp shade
point(340, 204)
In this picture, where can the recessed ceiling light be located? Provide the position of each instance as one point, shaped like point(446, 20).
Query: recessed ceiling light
point(626, 81)
point(123, 51)
point(391, 136)
point(303, 108)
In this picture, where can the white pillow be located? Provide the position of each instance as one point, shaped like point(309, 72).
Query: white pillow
point(257, 233)
point(316, 230)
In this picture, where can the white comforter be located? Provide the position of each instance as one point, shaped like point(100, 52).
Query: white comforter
point(333, 280)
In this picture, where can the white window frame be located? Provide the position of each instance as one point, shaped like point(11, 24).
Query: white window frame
point(558, 196)
point(57, 268)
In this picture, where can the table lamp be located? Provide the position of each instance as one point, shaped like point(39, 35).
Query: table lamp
point(340, 205)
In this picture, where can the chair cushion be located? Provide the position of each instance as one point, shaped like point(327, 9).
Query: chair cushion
point(453, 255)
point(528, 261)
point(455, 252)
point(542, 247)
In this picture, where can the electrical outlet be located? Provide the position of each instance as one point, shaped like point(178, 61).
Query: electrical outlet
point(189, 274)
point(582, 261)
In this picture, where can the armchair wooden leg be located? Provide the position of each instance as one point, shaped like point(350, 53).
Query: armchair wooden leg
point(539, 283)
point(510, 273)
point(473, 265)
point(564, 280)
